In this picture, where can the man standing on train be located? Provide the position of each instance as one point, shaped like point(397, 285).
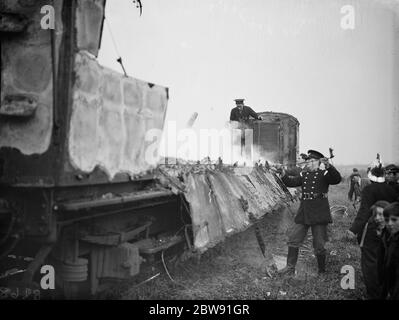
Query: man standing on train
point(314, 210)
point(241, 112)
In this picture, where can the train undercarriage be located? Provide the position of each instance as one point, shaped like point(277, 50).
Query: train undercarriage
point(88, 240)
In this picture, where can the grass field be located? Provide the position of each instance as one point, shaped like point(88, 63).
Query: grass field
point(236, 269)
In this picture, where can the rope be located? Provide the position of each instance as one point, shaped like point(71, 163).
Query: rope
point(167, 272)
point(119, 60)
point(149, 279)
point(112, 37)
point(166, 269)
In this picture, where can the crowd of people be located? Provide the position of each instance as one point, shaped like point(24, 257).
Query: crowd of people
point(376, 224)
point(376, 227)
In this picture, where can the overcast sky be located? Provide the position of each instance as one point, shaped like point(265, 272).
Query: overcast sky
point(281, 55)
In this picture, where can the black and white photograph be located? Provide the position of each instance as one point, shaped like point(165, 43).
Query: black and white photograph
point(199, 155)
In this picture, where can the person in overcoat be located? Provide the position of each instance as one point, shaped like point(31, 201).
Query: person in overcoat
point(314, 210)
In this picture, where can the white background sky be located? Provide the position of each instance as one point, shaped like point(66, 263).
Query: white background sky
point(281, 55)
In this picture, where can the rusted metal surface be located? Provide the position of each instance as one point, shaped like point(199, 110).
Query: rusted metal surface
point(214, 194)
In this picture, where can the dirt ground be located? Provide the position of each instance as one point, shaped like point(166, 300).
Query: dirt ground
point(236, 269)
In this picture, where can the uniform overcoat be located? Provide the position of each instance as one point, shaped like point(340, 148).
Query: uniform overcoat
point(314, 183)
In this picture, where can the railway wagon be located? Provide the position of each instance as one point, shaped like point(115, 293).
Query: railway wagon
point(78, 190)
point(72, 147)
point(276, 138)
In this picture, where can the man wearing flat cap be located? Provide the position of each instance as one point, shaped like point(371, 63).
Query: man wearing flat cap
point(314, 210)
point(392, 176)
point(241, 113)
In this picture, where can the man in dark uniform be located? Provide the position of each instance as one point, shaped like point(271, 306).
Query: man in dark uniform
point(375, 191)
point(354, 179)
point(314, 211)
point(392, 177)
point(241, 113)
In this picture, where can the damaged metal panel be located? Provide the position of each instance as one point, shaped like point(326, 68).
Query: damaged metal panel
point(111, 115)
point(216, 195)
point(207, 222)
point(228, 201)
point(26, 73)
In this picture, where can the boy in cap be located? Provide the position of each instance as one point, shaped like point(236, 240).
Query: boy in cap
point(241, 113)
point(314, 211)
point(371, 244)
point(390, 267)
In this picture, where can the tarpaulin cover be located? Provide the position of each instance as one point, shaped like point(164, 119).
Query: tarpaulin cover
point(216, 194)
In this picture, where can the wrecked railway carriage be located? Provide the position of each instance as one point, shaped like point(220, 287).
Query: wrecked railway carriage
point(75, 189)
